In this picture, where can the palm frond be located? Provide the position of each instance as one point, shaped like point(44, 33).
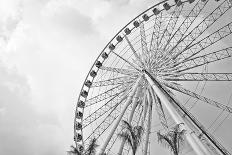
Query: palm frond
point(91, 150)
point(173, 139)
point(74, 150)
point(138, 132)
point(164, 140)
point(126, 137)
point(132, 135)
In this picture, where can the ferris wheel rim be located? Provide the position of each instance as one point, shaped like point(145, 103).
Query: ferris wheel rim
point(110, 52)
point(107, 45)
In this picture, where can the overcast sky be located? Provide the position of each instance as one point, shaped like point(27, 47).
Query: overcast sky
point(46, 50)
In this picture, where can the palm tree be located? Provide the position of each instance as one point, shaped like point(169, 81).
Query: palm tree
point(173, 139)
point(91, 150)
point(74, 151)
point(131, 135)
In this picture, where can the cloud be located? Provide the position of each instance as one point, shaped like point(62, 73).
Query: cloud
point(68, 18)
point(23, 129)
point(10, 15)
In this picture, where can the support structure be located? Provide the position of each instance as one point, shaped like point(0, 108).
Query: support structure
point(128, 102)
point(190, 135)
point(134, 105)
point(149, 123)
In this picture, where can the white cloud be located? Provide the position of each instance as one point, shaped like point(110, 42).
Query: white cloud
point(51, 45)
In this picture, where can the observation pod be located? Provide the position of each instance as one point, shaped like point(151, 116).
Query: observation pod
point(81, 104)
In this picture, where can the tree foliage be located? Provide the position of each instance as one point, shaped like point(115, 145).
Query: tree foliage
point(131, 135)
point(174, 139)
point(91, 150)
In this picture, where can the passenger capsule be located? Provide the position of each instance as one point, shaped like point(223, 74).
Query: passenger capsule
point(166, 6)
point(127, 31)
point(136, 24)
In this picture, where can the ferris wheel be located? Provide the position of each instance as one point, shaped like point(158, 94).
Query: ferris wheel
point(163, 68)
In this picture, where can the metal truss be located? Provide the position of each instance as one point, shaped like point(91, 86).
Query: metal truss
point(145, 53)
point(125, 60)
point(197, 96)
point(201, 77)
point(105, 95)
point(118, 130)
point(114, 81)
point(104, 125)
point(204, 131)
point(134, 51)
point(156, 32)
point(143, 39)
point(188, 21)
point(207, 41)
point(206, 59)
point(199, 29)
point(111, 104)
point(209, 145)
point(170, 26)
point(159, 109)
point(168, 33)
point(114, 93)
point(118, 70)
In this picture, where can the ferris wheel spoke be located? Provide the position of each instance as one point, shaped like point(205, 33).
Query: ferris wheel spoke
point(114, 138)
point(170, 26)
point(200, 28)
point(197, 96)
point(127, 103)
point(134, 106)
point(132, 65)
point(134, 51)
point(207, 41)
point(104, 95)
point(109, 120)
point(119, 70)
point(114, 81)
point(201, 77)
point(104, 125)
point(185, 25)
point(145, 52)
point(109, 105)
point(149, 119)
point(143, 39)
point(209, 145)
point(204, 131)
point(205, 59)
point(156, 32)
point(159, 109)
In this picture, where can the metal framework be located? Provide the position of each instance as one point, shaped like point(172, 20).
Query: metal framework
point(157, 57)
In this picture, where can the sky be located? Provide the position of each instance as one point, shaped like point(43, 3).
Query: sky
point(46, 50)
